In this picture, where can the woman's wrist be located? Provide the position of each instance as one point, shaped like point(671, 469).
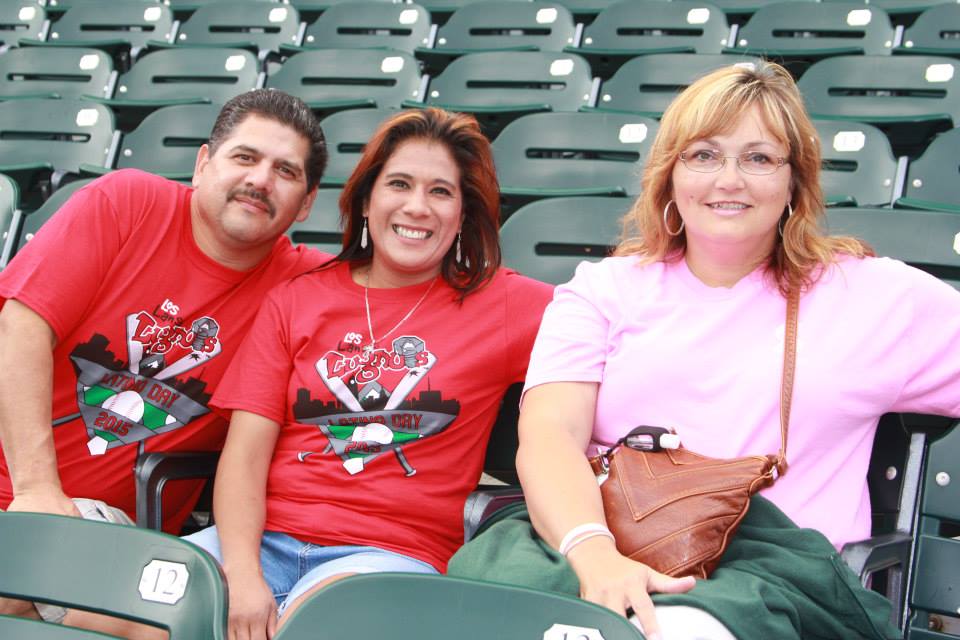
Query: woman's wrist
point(580, 534)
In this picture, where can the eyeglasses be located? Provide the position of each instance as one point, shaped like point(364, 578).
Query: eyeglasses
point(755, 163)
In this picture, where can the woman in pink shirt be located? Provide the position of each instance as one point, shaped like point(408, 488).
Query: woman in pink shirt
point(684, 328)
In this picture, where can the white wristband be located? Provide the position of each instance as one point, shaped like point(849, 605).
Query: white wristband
point(581, 533)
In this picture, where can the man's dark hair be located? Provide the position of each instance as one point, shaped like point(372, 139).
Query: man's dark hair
point(284, 108)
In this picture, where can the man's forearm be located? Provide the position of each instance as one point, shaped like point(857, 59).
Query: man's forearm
point(26, 390)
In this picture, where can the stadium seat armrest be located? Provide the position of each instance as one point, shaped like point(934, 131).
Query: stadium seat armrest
point(866, 557)
point(155, 468)
point(480, 505)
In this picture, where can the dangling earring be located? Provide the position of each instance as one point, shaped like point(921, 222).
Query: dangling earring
point(363, 235)
point(459, 256)
point(780, 222)
point(666, 209)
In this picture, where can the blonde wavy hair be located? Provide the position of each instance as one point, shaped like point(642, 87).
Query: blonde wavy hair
point(710, 106)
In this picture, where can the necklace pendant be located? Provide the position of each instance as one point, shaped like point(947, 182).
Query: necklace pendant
point(368, 349)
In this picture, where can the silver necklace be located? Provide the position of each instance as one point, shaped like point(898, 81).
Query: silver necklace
point(366, 301)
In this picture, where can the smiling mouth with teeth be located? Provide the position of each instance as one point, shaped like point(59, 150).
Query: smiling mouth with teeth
point(403, 232)
point(727, 205)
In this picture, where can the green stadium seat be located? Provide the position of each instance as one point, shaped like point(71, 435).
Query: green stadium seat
point(501, 86)
point(500, 25)
point(167, 140)
point(368, 25)
point(927, 240)
point(321, 230)
point(23, 19)
point(547, 155)
point(347, 132)
point(136, 574)
point(181, 76)
point(794, 31)
point(586, 11)
point(858, 165)
point(335, 79)
point(899, 7)
point(441, 10)
point(547, 239)
point(935, 591)
point(31, 221)
point(120, 28)
point(646, 85)
point(641, 27)
point(9, 217)
point(746, 8)
point(310, 9)
point(932, 178)
point(68, 72)
point(935, 32)
point(260, 27)
point(415, 606)
point(41, 139)
point(11, 627)
point(910, 98)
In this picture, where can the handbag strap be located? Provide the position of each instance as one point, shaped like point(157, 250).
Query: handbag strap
point(789, 367)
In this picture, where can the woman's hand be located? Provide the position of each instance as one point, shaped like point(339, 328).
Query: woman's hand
point(252, 610)
point(618, 583)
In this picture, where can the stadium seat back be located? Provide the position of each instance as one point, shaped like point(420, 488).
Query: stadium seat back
point(335, 79)
point(501, 86)
point(167, 140)
point(33, 220)
point(265, 26)
point(176, 76)
point(875, 89)
point(927, 240)
point(369, 25)
point(573, 154)
point(547, 239)
point(648, 84)
point(934, 32)
point(132, 22)
point(347, 133)
point(23, 19)
point(932, 178)
point(391, 605)
point(936, 583)
point(54, 72)
point(858, 165)
point(791, 29)
point(46, 136)
point(321, 230)
point(640, 27)
point(505, 25)
point(137, 574)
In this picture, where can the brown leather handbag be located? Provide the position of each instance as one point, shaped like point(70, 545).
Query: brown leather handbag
point(675, 510)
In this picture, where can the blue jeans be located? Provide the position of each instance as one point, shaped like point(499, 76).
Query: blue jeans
point(291, 567)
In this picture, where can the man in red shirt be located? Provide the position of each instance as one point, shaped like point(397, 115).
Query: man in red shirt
point(121, 315)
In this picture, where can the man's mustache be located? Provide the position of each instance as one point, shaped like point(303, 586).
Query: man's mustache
point(253, 194)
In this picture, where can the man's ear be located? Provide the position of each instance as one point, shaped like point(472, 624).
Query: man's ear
point(203, 157)
point(307, 205)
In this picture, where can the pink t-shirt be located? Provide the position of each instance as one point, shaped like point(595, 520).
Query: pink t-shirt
point(874, 336)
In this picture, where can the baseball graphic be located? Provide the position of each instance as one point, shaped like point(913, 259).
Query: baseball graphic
point(128, 404)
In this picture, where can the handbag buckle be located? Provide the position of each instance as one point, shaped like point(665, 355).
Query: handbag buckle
point(647, 438)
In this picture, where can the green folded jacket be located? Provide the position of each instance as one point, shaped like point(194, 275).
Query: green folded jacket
point(775, 580)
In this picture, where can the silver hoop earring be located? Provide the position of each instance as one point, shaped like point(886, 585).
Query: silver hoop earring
point(666, 209)
point(363, 235)
point(459, 255)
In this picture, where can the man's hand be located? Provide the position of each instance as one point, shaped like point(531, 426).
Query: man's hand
point(46, 501)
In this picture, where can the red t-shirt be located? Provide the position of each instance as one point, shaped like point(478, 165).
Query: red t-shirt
point(381, 449)
point(145, 324)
